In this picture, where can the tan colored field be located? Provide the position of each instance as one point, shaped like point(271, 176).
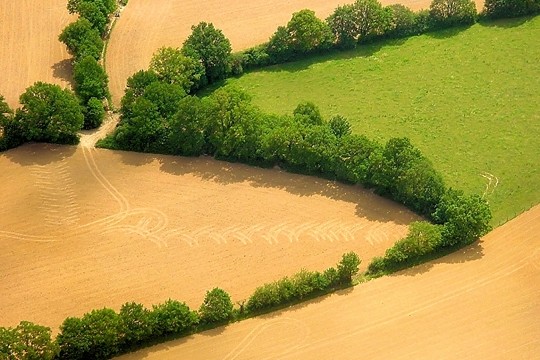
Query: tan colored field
point(147, 25)
point(480, 303)
point(29, 46)
point(82, 228)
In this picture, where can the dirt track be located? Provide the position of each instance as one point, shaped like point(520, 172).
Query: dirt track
point(147, 25)
point(82, 228)
point(29, 46)
point(480, 303)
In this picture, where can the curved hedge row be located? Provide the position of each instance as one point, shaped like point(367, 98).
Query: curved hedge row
point(104, 333)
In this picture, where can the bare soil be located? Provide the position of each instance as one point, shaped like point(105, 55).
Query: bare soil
point(479, 303)
point(82, 228)
point(147, 25)
point(29, 46)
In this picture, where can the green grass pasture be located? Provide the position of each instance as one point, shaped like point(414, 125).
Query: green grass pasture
point(468, 98)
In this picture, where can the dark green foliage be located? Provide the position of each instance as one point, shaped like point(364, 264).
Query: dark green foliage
point(255, 57)
point(496, 9)
point(304, 33)
point(10, 136)
point(187, 128)
point(165, 97)
point(217, 307)
point(94, 113)
point(348, 267)
point(402, 171)
point(82, 39)
point(403, 21)
point(105, 6)
point(173, 317)
point(465, 218)
point(340, 126)
point(359, 22)
point(353, 159)
point(209, 46)
point(95, 336)
point(136, 324)
point(27, 341)
point(308, 113)
point(450, 13)
point(138, 82)
point(94, 14)
point(143, 130)
point(91, 80)
point(49, 114)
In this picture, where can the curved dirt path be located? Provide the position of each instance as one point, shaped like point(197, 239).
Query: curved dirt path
point(29, 46)
point(147, 25)
point(480, 303)
point(83, 228)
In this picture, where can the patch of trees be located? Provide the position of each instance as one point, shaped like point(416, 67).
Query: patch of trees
point(48, 113)
point(104, 333)
point(84, 40)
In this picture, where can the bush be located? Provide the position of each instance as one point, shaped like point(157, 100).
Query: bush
point(423, 238)
point(308, 113)
point(255, 57)
point(348, 267)
point(95, 336)
point(91, 80)
point(27, 341)
point(465, 218)
point(450, 13)
point(136, 324)
point(217, 307)
point(173, 317)
point(94, 113)
point(403, 21)
point(209, 46)
point(49, 114)
point(496, 9)
point(340, 126)
point(82, 39)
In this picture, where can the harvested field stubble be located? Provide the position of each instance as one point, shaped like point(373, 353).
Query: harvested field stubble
point(29, 46)
point(84, 228)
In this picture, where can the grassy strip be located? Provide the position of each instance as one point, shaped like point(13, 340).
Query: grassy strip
point(466, 97)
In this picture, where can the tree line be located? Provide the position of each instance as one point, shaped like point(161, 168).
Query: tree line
point(104, 333)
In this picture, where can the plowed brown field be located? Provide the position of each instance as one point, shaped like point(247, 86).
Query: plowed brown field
point(480, 303)
point(147, 25)
point(82, 228)
point(29, 46)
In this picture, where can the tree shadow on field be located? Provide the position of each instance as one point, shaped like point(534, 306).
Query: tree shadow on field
point(448, 33)
point(368, 205)
point(506, 23)
point(468, 253)
point(63, 70)
point(39, 153)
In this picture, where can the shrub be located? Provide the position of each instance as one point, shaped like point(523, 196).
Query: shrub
point(423, 238)
point(173, 317)
point(91, 80)
point(173, 67)
point(348, 267)
point(255, 57)
point(450, 13)
point(49, 114)
point(27, 341)
point(217, 307)
point(136, 324)
point(340, 126)
point(82, 39)
point(465, 218)
point(496, 9)
point(95, 336)
point(308, 113)
point(403, 21)
point(94, 113)
point(209, 46)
